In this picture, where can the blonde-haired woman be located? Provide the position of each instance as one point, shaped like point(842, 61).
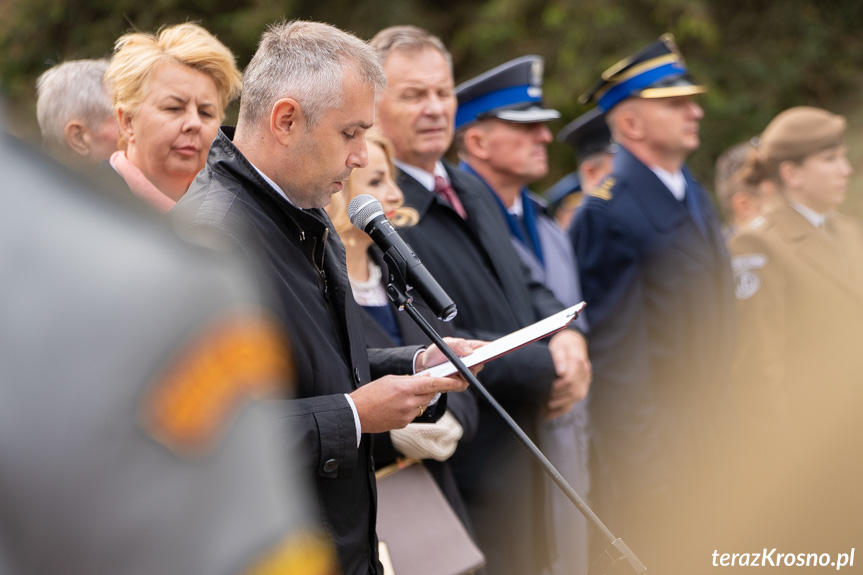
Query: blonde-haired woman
point(377, 180)
point(385, 326)
point(170, 91)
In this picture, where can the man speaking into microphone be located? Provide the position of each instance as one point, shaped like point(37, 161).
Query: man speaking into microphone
point(308, 99)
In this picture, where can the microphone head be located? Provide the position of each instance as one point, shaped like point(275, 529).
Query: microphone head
point(363, 209)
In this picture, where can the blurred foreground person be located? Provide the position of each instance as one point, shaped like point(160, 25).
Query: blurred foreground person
point(75, 114)
point(502, 138)
point(170, 92)
point(798, 370)
point(740, 201)
point(308, 100)
point(660, 302)
point(132, 437)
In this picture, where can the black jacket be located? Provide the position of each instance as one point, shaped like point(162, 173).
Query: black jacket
point(463, 405)
point(475, 263)
point(300, 261)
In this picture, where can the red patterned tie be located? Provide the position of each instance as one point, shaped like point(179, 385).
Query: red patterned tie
point(444, 190)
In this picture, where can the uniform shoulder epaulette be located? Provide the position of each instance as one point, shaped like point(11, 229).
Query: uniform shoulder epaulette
point(603, 190)
point(757, 223)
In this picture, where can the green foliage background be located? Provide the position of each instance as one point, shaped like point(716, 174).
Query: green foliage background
point(757, 56)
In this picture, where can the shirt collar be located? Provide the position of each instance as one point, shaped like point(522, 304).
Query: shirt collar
point(814, 217)
point(273, 184)
point(675, 182)
point(517, 207)
point(423, 177)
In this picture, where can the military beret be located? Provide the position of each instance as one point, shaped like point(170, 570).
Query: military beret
point(656, 71)
point(799, 132)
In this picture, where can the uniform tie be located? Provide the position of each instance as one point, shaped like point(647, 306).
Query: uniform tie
point(444, 190)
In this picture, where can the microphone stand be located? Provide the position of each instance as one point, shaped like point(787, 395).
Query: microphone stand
point(617, 558)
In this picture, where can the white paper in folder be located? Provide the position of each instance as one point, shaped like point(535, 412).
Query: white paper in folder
point(504, 345)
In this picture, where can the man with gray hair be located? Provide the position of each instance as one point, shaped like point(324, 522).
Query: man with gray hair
point(75, 113)
point(464, 241)
point(308, 100)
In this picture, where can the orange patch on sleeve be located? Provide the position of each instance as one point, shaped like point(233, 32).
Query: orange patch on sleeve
point(300, 554)
point(238, 358)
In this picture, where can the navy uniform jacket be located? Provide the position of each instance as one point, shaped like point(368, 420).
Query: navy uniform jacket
point(660, 304)
point(463, 405)
point(475, 263)
point(565, 439)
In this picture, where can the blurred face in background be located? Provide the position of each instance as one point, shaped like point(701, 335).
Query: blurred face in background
point(515, 151)
point(103, 140)
point(671, 124)
point(376, 179)
point(169, 136)
point(820, 181)
point(417, 110)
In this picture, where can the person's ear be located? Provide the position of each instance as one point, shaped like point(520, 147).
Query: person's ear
point(789, 173)
point(126, 128)
point(287, 121)
point(624, 120)
point(630, 126)
point(77, 137)
point(476, 142)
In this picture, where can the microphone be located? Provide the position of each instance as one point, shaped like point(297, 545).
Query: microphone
point(366, 213)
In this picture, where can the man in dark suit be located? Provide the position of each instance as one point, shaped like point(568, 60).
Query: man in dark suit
point(657, 280)
point(501, 138)
point(298, 137)
point(464, 241)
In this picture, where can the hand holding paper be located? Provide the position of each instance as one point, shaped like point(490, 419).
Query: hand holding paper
point(515, 340)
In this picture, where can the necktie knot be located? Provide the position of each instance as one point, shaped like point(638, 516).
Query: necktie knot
point(443, 189)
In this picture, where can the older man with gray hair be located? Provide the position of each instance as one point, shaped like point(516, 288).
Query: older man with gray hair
point(463, 239)
point(75, 113)
point(309, 97)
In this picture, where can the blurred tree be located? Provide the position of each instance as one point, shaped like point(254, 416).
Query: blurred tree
point(757, 56)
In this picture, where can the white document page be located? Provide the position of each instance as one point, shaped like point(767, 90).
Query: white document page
point(515, 340)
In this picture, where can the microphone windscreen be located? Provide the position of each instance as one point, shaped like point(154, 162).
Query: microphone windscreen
point(362, 209)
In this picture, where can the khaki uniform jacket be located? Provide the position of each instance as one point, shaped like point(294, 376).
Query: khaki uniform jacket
point(799, 291)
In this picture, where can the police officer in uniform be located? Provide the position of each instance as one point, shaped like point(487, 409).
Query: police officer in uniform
point(591, 140)
point(502, 136)
point(132, 436)
point(563, 199)
point(657, 282)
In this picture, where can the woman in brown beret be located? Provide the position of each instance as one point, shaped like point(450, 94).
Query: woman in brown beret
point(798, 371)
